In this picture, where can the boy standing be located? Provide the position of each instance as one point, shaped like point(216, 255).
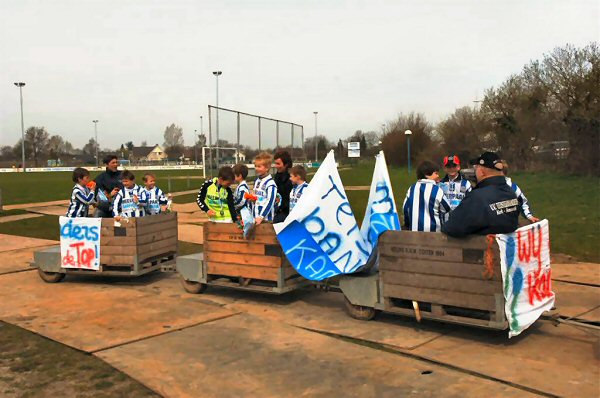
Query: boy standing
point(127, 201)
point(425, 206)
point(299, 184)
point(265, 189)
point(454, 184)
point(152, 196)
point(81, 196)
point(216, 198)
point(240, 171)
point(523, 202)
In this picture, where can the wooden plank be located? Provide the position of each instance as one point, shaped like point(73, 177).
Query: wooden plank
point(244, 259)
point(238, 237)
point(113, 259)
point(432, 239)
point(146, 221)
point(449, 283)
point(110, 222)
point(169, 244)
point(244, 271)
point(157, 227)
point(110, 232)
point(465, 300)
point(234, 247)
point(157, 236)
point(456, 269)
point(423, 251)
point(117, 241)
point(449, 318)
point(265, 229)
point(118, 250)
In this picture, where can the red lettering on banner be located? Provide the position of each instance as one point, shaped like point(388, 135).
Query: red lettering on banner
point(527, 248)
point(84, 256)
point(539, 285)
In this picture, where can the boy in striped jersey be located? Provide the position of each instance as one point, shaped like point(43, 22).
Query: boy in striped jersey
point(240, 171)
point(523, 202)
point(454, 184)
point(127, 202)
point(299, 184)
point(81, 196)
point(265, 189)
point(425, 206)
point(153, 197)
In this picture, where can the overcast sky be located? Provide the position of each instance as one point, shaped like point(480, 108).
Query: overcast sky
point(138, 66)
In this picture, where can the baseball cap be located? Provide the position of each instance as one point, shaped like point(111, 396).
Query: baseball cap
point(491, 160)
point(451, 161)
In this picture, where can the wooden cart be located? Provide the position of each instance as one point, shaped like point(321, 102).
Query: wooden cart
point(137, 247)
point(256, 263)
point(431, 276)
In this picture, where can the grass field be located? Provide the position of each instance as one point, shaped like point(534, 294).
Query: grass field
point(44, 187)
point(570, 203)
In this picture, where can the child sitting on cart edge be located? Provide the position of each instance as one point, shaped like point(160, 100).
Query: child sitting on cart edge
point(129, 201)
point(426, 207)
point(240, 172)
point(265, 189)
point(82, 195)
point(216, 198)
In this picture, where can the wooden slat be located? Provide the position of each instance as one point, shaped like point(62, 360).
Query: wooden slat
point(244, 259)
point(265, 229)
point(118, 250)
point(449, 283)
point(449, 318)
point(157, 227)
point(146, 256)
point(169, 244)
point(109, 222)
point(422, 252)
point(465, 300)
point(234, 247)
point(143, 222)
point(157, 236)
point(113, 259)
point(469, 271)
point(244, 271)
point(110, 232)
point(106, 241)
point(238, 237)
point(433, 239)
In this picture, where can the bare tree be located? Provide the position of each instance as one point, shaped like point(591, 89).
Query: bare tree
point(36, 139)
point(173, 136)
point(394, 143)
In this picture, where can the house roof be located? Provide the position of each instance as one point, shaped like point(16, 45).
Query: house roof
point(142, 151)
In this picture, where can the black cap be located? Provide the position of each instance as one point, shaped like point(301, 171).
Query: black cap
point(491, 160)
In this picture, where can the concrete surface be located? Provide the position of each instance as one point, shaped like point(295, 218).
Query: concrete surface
point(12, 242)
point(17, 260)
point(190, 233)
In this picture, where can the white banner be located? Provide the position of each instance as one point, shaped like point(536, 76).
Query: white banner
point(381, 214)
point(320, 236)
point(526, 275)
point(80, 242)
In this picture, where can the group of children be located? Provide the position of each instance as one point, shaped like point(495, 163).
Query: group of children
point(131, 200)
point(223, 205)
point(430, 200)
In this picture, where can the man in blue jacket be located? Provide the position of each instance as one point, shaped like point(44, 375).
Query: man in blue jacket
point(490, 208)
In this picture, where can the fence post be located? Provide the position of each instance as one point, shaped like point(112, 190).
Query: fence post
point(169, 183)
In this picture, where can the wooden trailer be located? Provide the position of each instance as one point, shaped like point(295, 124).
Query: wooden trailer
point(137, 247)
point(256, 263)
point(431, 276)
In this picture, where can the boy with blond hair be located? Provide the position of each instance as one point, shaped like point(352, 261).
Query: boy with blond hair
point(153, 197)
point(265, 189)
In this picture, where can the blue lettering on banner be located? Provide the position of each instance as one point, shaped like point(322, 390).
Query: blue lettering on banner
point(383, 215)
point(304, 252)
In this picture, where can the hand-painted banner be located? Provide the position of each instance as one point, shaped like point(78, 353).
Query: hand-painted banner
point(526, 275)
point(80, 242)
point(381, 214)
point(320, 236)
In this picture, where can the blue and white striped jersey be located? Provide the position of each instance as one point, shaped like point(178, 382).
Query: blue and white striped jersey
point(152, 199)
point(296, 193)
point(523, 202)
point(238, 197)
point(266, 191)
point(81, 198)
point(124, 204)
point(425, 207)
point(455, 190)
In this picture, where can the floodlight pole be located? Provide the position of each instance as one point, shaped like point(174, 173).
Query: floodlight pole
point(316, 140)
point(20, 85)
point(408, 133)
point(96, 133)
point(217, 74)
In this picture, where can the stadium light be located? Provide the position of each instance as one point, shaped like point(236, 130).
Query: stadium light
point(316, 140)
point(408, 133)
point(96, 139)
point(20, 85)
point(217, 74)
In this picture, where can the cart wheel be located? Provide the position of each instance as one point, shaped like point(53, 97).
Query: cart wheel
point(193, 287)
point(359, 312)
point(51, 277)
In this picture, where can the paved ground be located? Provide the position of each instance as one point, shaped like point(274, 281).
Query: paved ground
point(231, 343)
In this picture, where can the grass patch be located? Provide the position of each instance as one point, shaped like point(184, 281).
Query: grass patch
point(190, 197)
point(15, 212)
point(35, 366)
point(45, 227)
point(185, 248)
point(48, 186)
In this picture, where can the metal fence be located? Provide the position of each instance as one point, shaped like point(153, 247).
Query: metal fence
point(251, 134)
